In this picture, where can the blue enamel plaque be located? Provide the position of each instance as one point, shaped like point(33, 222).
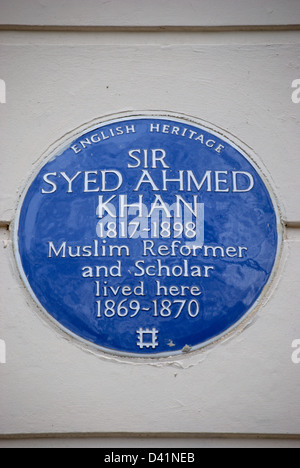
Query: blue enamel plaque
point(147, 236)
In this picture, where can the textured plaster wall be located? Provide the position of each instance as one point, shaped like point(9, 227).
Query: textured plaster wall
point(239, 81)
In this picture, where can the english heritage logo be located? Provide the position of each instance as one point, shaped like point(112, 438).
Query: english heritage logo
point(147, 236)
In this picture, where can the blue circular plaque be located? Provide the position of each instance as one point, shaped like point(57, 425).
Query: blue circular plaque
point(147, 236)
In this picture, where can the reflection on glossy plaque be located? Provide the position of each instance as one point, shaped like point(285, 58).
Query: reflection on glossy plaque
point(147, 236)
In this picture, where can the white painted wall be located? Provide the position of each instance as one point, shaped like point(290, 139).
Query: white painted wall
point(149, 13)
point(241, 82)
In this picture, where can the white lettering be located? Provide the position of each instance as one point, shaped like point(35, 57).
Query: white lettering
point(87, 181)
point(135, 158)
point(146, 179)
point(235, 175)
point(123, 205)
point(161, 206)
point(104, 180)
point(220, 181)
point(53, 184)
point(62, 250)
point(102, 207)
point(180, 180)
point(70, 181)
point(207, 177)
